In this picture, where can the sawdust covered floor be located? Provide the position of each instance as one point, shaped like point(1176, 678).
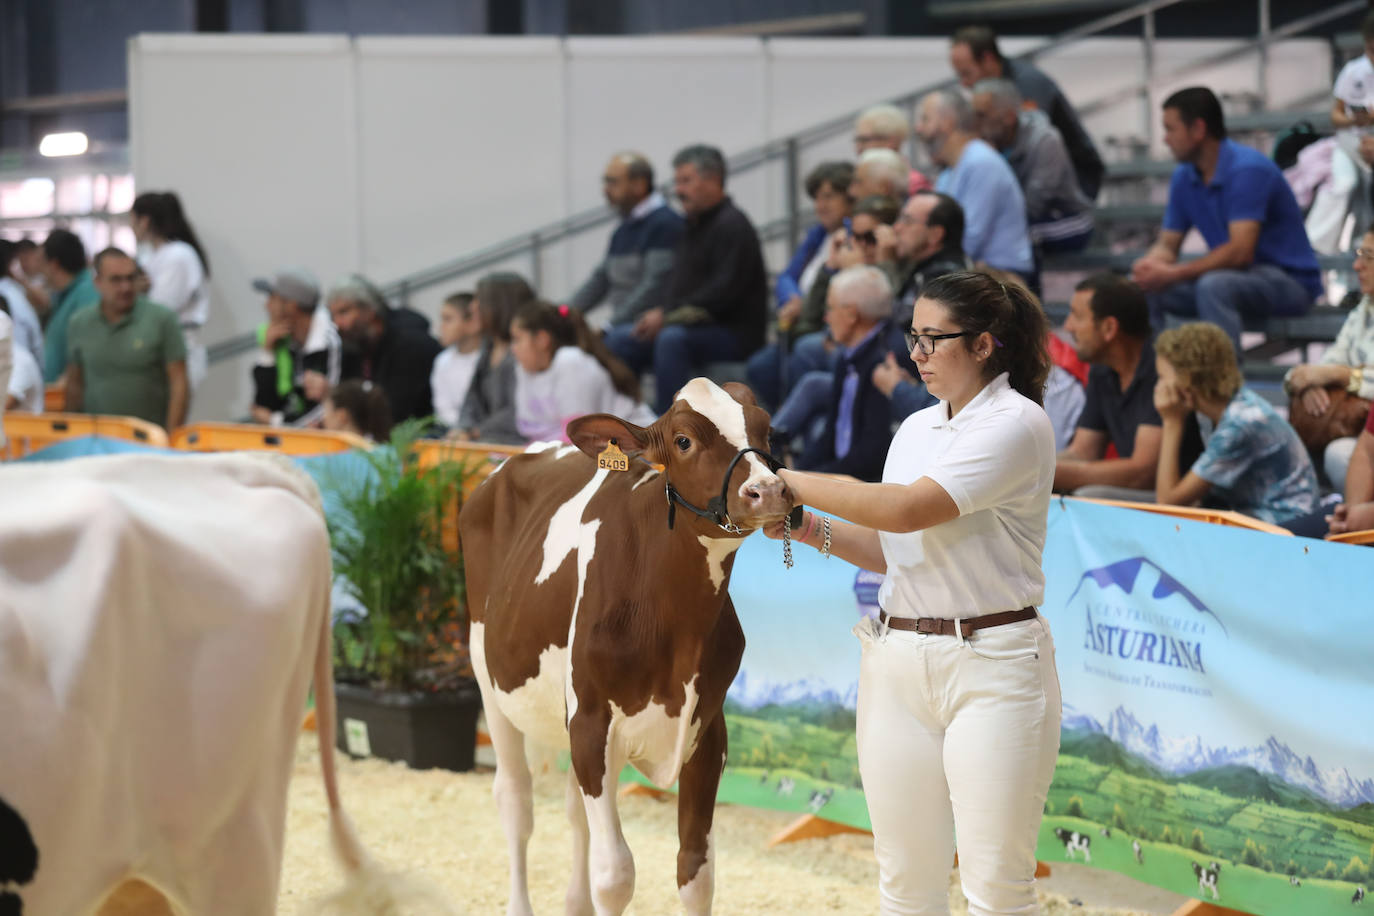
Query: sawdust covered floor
point(443, 828)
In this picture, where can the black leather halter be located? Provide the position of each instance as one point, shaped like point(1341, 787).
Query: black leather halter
point(716, 510)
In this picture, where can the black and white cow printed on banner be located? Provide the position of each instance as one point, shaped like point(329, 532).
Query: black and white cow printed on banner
point(819, 799)
point(1358, 896)
point(1207, 879)
point(1139, 852)
point(1293, 881)
point(1075, 842)
point(786, 785)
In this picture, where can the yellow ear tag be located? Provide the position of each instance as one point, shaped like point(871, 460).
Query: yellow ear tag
point(612, 458)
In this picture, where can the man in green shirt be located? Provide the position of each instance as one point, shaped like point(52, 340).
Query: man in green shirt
point(64, 266)
point(127, 357)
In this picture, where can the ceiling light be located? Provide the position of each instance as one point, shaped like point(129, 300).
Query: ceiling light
point(73, 143)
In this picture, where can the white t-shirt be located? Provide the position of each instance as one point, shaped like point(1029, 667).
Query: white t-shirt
point(449, 381)
point(1355, 87)
point(574, 384)
point(28, 330)
point(995, 459)
point(26, 381)
point(177, 280)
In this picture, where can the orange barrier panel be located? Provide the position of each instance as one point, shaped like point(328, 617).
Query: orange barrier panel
point(480, 458)
point(1211, 516)
point(1365, 536)
point(29, 432)
point(229, 437)
point(55, 397)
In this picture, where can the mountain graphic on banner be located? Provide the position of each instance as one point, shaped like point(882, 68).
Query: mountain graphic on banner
point(755, 692)
point(1181, 756)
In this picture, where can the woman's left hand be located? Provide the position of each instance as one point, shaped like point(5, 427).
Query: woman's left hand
point(1172, 402)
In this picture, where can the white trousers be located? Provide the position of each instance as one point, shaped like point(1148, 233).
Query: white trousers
point(957, 736)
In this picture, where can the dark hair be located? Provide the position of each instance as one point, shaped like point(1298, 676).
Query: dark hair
point(111, 252)
point(1114, 296)
point(879, 206)
point(1198, 103)
point(707, 160)
point(168, 220)
point(1367, 26)
point(24, 244)
point(978, 302)
point(637, 167)
point(65, 250)
point(836, 174)
point(499, 294)
point(567, 328)
point(8, 251)
point(949, 216)
point(461, 301)
point(366, 406)
point(980, 40)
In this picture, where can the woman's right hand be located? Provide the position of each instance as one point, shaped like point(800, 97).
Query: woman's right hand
point(1316, 401)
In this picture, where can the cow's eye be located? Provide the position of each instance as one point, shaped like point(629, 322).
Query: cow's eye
point(683, 443)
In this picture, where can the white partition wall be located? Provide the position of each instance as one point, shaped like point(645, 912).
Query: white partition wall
point(259, 137)
point(390, 155)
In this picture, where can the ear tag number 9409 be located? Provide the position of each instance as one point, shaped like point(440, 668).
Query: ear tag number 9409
point(612, 458)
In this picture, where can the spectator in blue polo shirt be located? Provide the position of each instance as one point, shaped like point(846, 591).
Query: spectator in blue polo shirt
point(1259, 262)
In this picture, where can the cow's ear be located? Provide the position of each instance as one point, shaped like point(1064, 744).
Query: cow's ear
point(594, 432)
point(742, 393)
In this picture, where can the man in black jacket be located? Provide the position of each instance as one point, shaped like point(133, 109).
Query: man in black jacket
point(858, 429)
point(393, 350)
point(974, 56)
point(717, 307)
point(300, 356)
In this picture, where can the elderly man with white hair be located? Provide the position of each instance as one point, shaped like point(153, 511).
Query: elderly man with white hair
point(858, 428)
point(395, 352)
point(885, 127)
point(976, 175)
point(880, 172)
point(1060, 214)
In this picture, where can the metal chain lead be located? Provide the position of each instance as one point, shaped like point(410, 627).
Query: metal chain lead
point(787, 541)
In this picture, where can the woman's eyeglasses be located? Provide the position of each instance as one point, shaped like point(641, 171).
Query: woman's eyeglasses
point(866, 238)
point(926, 342)
point(1364, 254)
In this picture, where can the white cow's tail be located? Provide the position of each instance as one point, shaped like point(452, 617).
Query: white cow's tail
point(347, 846)
point(370, 890)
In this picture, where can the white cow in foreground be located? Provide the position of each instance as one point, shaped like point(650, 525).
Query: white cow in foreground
point(161, 621)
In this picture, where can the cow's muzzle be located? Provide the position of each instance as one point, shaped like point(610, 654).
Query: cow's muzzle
point(759, 495)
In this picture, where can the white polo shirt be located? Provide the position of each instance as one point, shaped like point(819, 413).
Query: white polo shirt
point(996, 461)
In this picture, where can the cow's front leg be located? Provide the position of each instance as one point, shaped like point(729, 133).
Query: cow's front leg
point(579, 899)
point(597, 761)
point(512, 786)
point(696, 806)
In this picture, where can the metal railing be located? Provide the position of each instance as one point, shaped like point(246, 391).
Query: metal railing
point(789, 149)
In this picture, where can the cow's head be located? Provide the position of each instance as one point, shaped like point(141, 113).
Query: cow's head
point(702, 445)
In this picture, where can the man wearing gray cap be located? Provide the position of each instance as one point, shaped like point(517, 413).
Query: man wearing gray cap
point(300, 356)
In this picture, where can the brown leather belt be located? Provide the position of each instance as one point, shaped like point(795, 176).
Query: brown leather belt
point(942, 626)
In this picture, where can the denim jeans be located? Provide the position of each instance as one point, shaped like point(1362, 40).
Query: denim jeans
point(808, 402)
point(1227, 297)
point(774, 372)
point(676, 353)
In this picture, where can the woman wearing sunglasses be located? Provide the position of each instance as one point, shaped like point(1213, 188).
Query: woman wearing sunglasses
point(959, 706)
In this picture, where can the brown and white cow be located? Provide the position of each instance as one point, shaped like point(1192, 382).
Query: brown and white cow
point(601, 622)
point(161, 621)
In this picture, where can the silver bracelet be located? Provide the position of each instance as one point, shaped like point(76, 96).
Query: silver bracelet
point(825, 546)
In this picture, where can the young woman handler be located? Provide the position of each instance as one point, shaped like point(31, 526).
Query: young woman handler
point(959, 706)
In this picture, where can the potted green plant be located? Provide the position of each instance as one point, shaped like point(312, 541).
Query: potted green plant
point(404, 686)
